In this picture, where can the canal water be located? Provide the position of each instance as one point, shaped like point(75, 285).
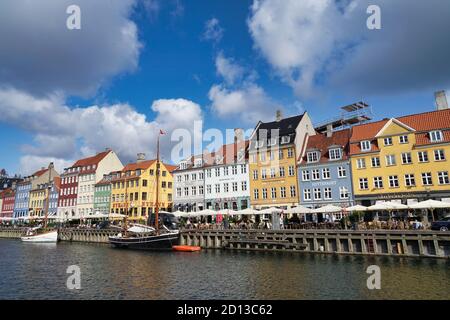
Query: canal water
point(38, 271)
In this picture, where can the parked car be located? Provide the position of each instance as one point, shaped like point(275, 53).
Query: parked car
point(441, 225)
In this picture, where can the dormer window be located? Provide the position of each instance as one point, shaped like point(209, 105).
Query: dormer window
point(313, 156)
point(219, 159)
point(272, 142)
point(285, 139)
point(436, 136)
point(365, 145)
point(403, 139)
point(335, 154)
point(198, 162)
point(183, 165)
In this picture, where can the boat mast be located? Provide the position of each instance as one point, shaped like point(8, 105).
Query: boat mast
point(49, 188)
point(157, 187)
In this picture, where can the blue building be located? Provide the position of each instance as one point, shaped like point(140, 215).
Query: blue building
point(21, 203)
point(324, 171)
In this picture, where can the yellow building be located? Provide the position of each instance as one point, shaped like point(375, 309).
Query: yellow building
point(273, 153)
point(403, 159)
point(133, 190)
point(39, 197)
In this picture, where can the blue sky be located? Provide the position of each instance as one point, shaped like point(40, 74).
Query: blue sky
point(312, 56)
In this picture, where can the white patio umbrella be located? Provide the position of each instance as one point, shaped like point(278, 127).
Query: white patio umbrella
point(116, 215)
point(398, 206)
point(205, 212)
point(228, 212)
point(271, 210)
point(356, 208)
point(327, 209)
point(299, 210)
point(248, 212)
point(178, 213)
point(380, 207)
point(430, 204)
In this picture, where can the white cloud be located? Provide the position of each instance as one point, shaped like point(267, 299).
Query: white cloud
point(41, 56)
point(213, 30)
point(30, 164)
point(62, 134)
point(315, 44)
point(229, 70)
point(249, 103)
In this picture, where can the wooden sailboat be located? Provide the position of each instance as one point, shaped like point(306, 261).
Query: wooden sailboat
point(41, 233)
point(149, 238)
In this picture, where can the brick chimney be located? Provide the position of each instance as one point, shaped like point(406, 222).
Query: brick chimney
point(278, 115)
point(140, 157)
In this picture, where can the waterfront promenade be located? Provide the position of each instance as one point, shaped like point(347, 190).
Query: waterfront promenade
point(402, 243)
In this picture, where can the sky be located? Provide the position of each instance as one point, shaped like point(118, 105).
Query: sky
point(138, 66)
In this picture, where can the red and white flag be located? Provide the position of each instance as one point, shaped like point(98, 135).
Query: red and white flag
point(161, 132)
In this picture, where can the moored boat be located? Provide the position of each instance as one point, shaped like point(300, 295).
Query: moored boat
point(34, 236)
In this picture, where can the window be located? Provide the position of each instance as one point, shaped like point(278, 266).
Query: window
point(315, 174)
point(208, 189)
point(327, 193)
point(343, 193)
point(307, 194)
point(200, 190)
point(256, 194)
point(201, 176)
point(403, 139)
point(305, 175)
point(335, 154)
point(325, 173)
point(313, 156)
point(263, 174)
point(186, 177)
point(264, 193)
point(291, 171)
point(378, 182)
point(144, 182)
point(426, 179)
point(406, 158)
point(217, 188)
point(436, 136)
point(293, 192)
point(243, 168)
point(283, 192)
point(388, 141)
point(363, 184)
point(273, 192)
point(365, 145)
point(317, 194)
point(375, 162)
point(225, 187)
point(439, 155)
point(186, 191)
point(194, 190)
point(443, 177)
point(390, 160)
point(393, 181)
point(262, 156)
point(423, 156)
point(410, 181)
point(255, 174)
point(342, 172)
point(208, 173)
point(244, 185)
point(234, 170)
point(225, 171)
point(290, 153)
point(235, 186)
point(280, 154)
point(361, 163)
point(194, 176)
point(272, 155)
point(272, 172)
point(285, 139)
point(217, 170)
point(282, 173)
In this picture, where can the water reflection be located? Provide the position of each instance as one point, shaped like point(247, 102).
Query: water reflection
point(39, 272)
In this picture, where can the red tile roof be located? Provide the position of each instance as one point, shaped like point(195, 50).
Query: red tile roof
point(322, 143)
point(91, 160)
point(138, 165)
point(40, 172)
point(422, 123)
point(229, 152)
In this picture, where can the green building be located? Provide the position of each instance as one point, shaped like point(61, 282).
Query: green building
point(102, 195)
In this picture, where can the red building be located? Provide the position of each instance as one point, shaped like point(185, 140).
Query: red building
point(7, 196)
point(68, 192)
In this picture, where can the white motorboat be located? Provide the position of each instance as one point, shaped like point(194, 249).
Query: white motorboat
point(33, 235)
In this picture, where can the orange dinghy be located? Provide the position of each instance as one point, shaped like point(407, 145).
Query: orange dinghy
point(186, 248)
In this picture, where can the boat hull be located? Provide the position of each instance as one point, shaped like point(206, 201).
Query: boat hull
point(159, 242)
point(46, 237)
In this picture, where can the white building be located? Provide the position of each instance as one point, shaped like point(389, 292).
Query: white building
point(189, 185)
point(78, 183)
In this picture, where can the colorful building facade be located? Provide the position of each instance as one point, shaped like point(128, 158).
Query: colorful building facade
point(133, 189)
point(102, 195)
point(39, 197)
point(7, 199)
point(324, 171)
point(273, 153)
point(402, 159)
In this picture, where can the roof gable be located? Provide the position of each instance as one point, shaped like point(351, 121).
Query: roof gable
point(393, 127)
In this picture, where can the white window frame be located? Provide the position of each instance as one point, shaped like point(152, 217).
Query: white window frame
point(436, 136)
